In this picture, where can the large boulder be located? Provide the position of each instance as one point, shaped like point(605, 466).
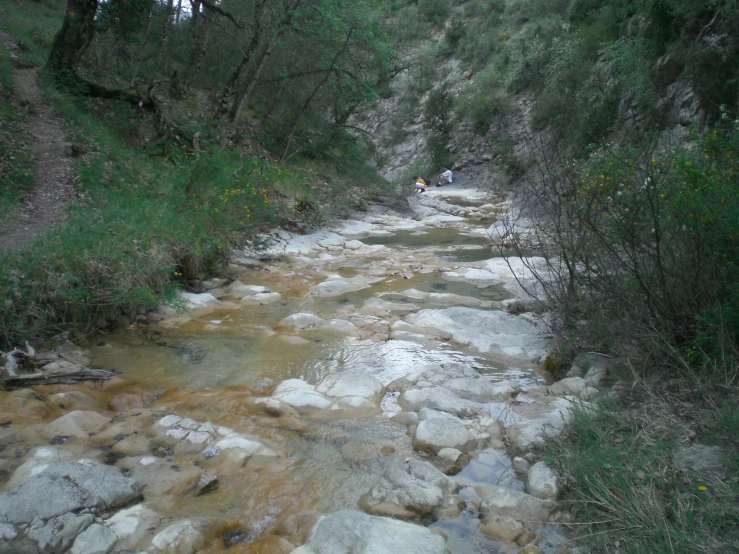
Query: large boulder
point(481, 389)
point(355, 388)
point(461, 379)
point(700, 458)
point(541, 416)
point(339, 285)
point(410, 489)
point(48, 511)
point(570, 386)
point(341, 394)
point(352, 532)
point(437, 433)
point(301, 396)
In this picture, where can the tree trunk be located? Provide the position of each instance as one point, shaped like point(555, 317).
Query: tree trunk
point(242, 96)
point(318, 87)
point(74, 37)
point(198, 31)
point(165, 29)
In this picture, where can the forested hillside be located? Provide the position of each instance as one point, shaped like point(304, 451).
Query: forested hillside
point(192, 126)
point(614, 125)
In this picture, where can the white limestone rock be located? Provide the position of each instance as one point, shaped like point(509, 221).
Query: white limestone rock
point(516, 504)
point(409, 489)
point(492, 332)
point(437, 433)
point(440, 399)
point(240, 290)
point(339, 286)
point(352, 387)
point(96, 539)
point(542, 482)
point(183, 537)
point(352, 531)
point(41, 458)
point(301, 396)
point(131, 525)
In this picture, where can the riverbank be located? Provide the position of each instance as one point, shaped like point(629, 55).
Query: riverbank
point(106, 213)
point(359, 368)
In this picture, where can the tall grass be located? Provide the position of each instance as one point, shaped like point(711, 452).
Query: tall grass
point(624, 485)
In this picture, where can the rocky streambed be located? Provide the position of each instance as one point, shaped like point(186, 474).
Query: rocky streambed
point(367, 388)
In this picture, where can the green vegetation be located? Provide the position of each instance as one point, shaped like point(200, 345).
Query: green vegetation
point(162, 196)
point(147, 223)
point(631, 172)
point(624, 479)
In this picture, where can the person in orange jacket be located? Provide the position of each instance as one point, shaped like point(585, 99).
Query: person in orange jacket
point(420, 184)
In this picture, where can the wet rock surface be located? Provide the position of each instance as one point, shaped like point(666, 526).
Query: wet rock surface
point(351, 531)
point(58, 507)
point(332, 391)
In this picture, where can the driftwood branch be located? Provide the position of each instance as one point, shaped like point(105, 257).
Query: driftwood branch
point(67, 377)
point(23, 367)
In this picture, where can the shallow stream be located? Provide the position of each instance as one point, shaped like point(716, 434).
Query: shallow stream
point(206, 368)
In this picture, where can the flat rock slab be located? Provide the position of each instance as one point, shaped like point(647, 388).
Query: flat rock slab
point(353, 532)
point(441, 399)
point(700, 458)
point(492, 332)
point(42, 512)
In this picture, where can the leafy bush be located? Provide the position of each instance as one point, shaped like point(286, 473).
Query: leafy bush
point(437, 112)
point(148, 224)
point(434, 11)
point(438, 152)
point(646, 241)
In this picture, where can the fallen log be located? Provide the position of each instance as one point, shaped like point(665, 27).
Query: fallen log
point(26, 368)
point(62, 377)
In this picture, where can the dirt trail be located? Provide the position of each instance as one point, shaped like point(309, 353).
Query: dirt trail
point(45, 203)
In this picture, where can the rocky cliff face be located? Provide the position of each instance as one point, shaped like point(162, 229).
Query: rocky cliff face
point(509, 148)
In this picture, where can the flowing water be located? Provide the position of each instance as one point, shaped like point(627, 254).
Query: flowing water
point(207, 367)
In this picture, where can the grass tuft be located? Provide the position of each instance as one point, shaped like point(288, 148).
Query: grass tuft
point(623, 485)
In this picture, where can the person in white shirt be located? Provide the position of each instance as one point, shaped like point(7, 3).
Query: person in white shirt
point(445, 176)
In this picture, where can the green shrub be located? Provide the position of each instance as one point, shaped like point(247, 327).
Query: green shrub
point(438, 152)
point(434, 11)
point(148, 223)
point(437, 112)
